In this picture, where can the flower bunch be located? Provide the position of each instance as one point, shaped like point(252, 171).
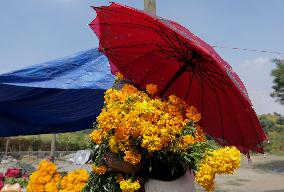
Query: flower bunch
point(138, 126)
point(45, 178)
point(220, 161)
point(75, 181)
point(132, 119)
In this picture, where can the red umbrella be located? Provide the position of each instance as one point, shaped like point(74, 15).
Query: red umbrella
point(147, 49)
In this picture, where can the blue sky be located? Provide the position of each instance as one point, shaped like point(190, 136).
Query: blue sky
point(34, 31)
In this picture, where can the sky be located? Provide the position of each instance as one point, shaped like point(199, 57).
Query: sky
point(35, 31)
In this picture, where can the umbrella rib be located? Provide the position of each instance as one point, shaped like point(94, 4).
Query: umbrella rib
point(180, 42)
point(207, 76)
point(225, 92)
point(213, 85)
point(135, 16)
point(178, 73)
point(223, 81)
point(170, 58)
point(202, 98)
point(234, 114)
point(250, 120)
point(168, 40)
point(140, 57)
point(246, 112)
point(171, 51)
point(155, 67)
point(127, 46)
point(190, 83)
point(171, 43)
point(219, 108)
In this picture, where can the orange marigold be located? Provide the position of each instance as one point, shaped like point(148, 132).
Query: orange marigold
point(152, 89)
point(132, 157)
point(193, 114)
point(100, 170)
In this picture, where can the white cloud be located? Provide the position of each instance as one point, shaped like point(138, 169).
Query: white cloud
point(255, 74)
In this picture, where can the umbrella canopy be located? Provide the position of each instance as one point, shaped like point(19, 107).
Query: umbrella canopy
point(148, 49)
point(58, 96)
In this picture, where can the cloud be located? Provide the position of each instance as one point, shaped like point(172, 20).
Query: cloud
point(255, 74)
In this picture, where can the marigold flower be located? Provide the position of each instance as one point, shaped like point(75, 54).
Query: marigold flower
point(75, 181)
point(186, 141)
point(99, 170)
point(129, 186)
point(221, 161)
point(97, 136)
point(193, 114)
point(199, 134)
point(113, 144)
point(152, 89)
point(132, 157)
point(45, 178)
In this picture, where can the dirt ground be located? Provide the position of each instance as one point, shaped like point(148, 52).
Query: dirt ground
point(262, 174)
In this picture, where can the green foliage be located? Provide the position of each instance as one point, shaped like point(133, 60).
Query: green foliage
point(22, 181)
point(273, 124)
point(64, 142)
point(278, 82)
point(102, 183)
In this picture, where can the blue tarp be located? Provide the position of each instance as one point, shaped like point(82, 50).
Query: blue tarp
point(59, 96)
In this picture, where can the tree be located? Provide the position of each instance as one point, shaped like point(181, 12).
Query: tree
point(278, 82)
point(266, 123)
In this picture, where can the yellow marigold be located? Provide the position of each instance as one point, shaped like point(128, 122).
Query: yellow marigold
point(75, 181)
point(50, 187)
point(221, 161)
point(132, 157)
point(205, 177)
point(113, 144)
point(97, 136)
point(45, 178)
point(99, 170)
point(152, 143)
point(129, 186)
point(152, 89)
point(226, 160)
point(47, 166)
point(186, 141)
point(127, 88)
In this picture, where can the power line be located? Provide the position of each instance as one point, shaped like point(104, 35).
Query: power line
point(250, 50)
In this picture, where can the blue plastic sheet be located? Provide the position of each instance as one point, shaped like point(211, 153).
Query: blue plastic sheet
point(59, 96)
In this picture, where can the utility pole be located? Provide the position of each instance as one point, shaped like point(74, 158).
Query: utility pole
point(150, 6)
point(7, 146)
point(53, 146)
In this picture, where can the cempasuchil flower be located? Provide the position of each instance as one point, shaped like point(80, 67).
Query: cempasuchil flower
point(129, 186)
